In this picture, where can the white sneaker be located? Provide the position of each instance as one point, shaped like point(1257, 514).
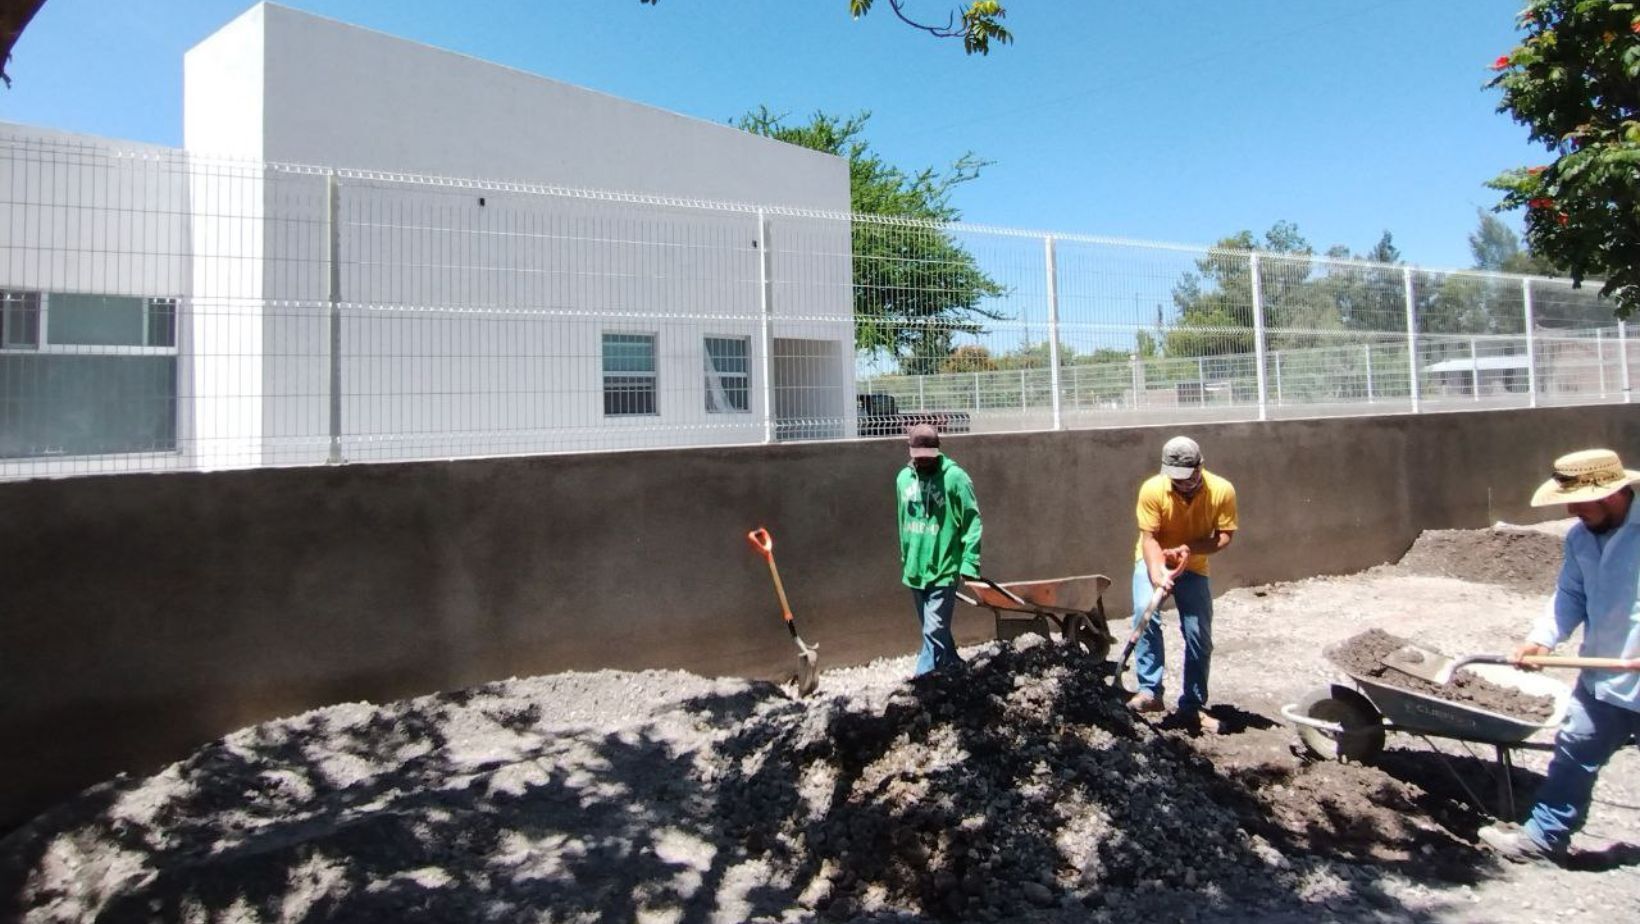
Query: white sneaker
point(1511, 842)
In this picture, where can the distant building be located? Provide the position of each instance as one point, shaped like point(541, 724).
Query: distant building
point(173, 308)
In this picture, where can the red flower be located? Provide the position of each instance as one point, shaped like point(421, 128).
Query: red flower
point(1635, 28)
point(1501, 63)
point(1562, 218)
point(1540, 203)
point(1536, 171)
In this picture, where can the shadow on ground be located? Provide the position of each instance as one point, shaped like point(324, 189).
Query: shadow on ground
point(1018, 789)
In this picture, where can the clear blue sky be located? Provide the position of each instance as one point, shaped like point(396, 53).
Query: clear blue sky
point(1170, 120)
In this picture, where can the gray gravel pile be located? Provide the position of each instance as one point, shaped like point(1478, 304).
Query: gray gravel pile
point(1022, 785)
point(1018, 789)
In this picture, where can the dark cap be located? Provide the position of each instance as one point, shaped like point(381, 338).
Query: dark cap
point(924, 440)
point(1181, 457)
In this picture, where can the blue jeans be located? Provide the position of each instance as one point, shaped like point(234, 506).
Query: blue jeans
point(1593, 732)
point(1194, 599)
point(935, 605)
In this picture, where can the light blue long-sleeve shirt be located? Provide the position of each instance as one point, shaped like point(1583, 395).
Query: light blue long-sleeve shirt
point(1599, 589)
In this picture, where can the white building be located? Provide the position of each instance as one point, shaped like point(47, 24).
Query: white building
point(427, 213)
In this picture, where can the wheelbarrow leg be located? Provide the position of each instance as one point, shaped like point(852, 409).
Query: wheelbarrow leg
point(1506, 785)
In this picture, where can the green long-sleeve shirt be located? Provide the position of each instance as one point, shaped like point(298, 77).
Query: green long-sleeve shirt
point(939, 525)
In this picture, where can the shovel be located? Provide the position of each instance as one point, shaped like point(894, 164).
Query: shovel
point(1439, 669)
point(1156, 597)
point(808, 657)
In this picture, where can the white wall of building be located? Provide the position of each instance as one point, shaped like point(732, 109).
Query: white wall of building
point(474, 314)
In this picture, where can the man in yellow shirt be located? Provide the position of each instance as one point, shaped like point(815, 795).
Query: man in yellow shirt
point(1185, 511)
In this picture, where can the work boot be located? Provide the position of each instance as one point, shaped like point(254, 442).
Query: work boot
point(1146, 701)
point(1511, 842)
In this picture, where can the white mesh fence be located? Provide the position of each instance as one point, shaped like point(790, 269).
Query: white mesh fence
point(165, 312)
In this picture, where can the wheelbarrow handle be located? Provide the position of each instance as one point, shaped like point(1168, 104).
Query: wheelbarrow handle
point(1006, 592)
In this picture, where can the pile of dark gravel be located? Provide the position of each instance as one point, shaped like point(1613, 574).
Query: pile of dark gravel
point(1020, 785)
point(1020, 788)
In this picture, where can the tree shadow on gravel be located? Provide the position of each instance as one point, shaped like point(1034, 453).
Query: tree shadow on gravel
point(1020, 788)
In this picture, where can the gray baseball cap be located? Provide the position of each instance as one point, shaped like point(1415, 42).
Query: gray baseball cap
point(1181, 457)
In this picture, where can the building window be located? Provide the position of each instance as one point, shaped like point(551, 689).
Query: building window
point(19, 320)
point(629, 374)
point(86, 375)
point(162, 322)
point(728, 383)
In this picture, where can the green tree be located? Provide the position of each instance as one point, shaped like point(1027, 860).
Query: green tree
point(1574, 82)
point(978, 24)
point(968, 358)
point(1498, 249)
point(915, 287)
point(1215, 303)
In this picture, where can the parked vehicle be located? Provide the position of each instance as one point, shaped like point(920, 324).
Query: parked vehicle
point(880, 415)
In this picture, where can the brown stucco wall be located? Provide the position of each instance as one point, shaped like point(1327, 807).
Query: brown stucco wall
point(143, 615)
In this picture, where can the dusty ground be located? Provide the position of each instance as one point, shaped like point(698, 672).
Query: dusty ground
point(1020, 790)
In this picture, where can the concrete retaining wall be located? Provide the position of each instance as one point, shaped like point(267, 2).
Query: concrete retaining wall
point(141, 616)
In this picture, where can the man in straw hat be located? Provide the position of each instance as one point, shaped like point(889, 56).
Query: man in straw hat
point(1598, 589)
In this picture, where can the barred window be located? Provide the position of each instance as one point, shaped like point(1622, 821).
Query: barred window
point(629, 374)
point(727, 379)
point(19, 320)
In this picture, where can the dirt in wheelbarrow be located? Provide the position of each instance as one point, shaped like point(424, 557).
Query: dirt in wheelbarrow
point(1362, 656)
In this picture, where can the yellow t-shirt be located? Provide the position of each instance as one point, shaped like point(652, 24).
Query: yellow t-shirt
point(1176, 521)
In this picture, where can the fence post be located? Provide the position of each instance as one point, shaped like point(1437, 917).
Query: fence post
point(765, 298)
point(1366, 351)
point(1474, 371)
point(1053, 333)
point(1023, 406)
point(976, 391)
point(1133, 376)
point(922, 397)
point(1258, 336)
point(1623, 356)
point(1412, 336)
point(1279, 396)
point(1531, 343)
point(333, 294)
point(1600, 358)
point(1201, 379)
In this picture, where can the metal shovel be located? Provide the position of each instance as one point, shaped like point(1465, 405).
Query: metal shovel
point(808, 656)
point(1157, 596)
point(1439, 669)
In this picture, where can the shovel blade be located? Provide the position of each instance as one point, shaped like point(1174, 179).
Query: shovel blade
point(808, 669)
point(1422, 663)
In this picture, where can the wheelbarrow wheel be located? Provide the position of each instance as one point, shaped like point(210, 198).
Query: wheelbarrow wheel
point(1361, 737)
point(1081, 634)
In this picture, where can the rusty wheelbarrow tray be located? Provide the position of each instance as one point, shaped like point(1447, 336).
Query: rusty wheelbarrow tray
point(1338, 722)
point(1071, 607)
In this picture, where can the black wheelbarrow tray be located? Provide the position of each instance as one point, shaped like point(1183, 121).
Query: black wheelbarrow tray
point(1071, 608)
point(1338, 722)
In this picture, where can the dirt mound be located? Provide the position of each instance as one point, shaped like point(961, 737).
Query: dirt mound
point(1362, 656)
point(1020, 788)
point(1526, 560)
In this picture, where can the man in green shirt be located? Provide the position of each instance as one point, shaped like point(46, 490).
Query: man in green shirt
point(939, 542)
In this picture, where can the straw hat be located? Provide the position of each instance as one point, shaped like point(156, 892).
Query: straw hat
point(1583, 476)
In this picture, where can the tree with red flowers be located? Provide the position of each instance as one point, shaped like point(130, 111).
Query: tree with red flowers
point(1574, 82)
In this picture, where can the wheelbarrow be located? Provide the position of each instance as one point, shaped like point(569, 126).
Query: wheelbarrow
point(1350, 722)
point(1071, 607)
